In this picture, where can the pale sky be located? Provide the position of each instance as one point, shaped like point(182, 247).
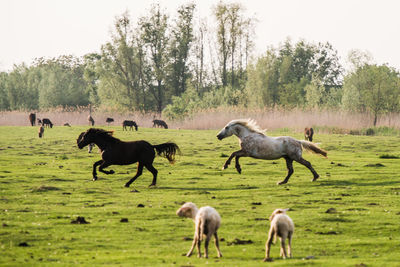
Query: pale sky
point(51, 28)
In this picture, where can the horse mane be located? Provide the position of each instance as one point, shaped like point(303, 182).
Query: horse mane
point(250, 124)
point(106, 135)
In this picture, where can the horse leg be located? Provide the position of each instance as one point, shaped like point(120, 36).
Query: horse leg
point(97, 163)
point(105, 165)
point(239, 153)
point(289, 165)
point(154, 172)
point(138, 173)
point(308, 165)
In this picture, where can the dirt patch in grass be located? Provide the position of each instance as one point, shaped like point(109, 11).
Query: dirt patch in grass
point(238, 241)
point(374, 165)
point(45, 188)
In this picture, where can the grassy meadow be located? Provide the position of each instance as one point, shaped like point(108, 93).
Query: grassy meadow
point(45, 184)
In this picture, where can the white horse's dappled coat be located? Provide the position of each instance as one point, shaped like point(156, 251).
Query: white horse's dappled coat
point(254, 143)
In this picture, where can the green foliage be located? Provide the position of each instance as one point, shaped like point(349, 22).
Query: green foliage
point(372, 88)
point(190, 101)
point(45, 185)
point(302, 74)
point(62, 83)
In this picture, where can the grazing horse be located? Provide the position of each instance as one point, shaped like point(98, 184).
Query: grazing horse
point(108, 120)
point(256, 144)
point(160, 123)
point(32, 118)
point(308, 134)
point(90, 120)
point(129, 124)
point(47, 122)
point(41, 131)
point(117, 152)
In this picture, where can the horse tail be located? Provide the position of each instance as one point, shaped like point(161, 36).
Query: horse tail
point(314, 148)
point(167, 150)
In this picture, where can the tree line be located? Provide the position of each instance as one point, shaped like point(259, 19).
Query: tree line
point(178, 65)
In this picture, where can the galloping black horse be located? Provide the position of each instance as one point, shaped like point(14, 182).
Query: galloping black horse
point(117, 152)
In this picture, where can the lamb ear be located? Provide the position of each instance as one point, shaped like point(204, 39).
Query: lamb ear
point(183, 210)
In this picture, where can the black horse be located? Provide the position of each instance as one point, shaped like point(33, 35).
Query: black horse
point(109, 120)
point(117, 152)
point(47, 123)
point(130, 124)
point(160, 123)
point(32, 118)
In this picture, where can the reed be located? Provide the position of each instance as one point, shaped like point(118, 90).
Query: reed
point(326, 121)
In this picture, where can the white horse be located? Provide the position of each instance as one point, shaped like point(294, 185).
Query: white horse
point(256, 144)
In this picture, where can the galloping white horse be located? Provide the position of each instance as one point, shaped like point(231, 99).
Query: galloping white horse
point(256, 144)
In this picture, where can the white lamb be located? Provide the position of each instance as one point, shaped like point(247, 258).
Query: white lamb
point(283, 227)
point(207, 222)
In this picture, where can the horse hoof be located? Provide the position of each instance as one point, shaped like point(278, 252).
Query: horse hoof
point(281, 182)
point(152, 185)
point(314, 179)
point(94, 179)
point(127, 185)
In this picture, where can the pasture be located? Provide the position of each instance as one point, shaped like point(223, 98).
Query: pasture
point(349, 217)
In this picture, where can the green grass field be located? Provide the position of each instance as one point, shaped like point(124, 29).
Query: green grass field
point(46, 183)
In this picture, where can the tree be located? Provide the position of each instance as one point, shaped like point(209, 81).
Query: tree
point(4, 105)
point(21, 88)
point(234, 31)
point(180, 46)
point(154, 34)
point(372, 88)
point(119, 72)
point(91, 76)
point(62, 83)
point(315, 93)
point(262, 84)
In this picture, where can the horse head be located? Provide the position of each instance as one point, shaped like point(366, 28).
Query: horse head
point(82, 140)
point(227, 131)
point(239, 128)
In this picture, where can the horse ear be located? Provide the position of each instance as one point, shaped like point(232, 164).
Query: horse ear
point(279, 211)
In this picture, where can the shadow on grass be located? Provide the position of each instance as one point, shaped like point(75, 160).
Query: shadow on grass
point(208, 188)
point(351, 183)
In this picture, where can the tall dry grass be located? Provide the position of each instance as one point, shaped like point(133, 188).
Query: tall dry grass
point(297, 119)
point(271, 119)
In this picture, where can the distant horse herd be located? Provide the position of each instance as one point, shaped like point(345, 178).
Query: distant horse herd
point(253, 141)
point(45, 122)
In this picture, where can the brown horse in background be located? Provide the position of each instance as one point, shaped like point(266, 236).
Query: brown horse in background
point(308, 134)
point(117, 152)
